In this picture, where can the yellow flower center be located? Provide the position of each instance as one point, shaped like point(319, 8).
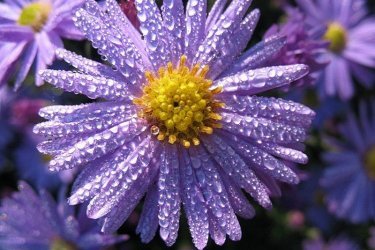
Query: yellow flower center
point(35, 15)
point(179, 103)
point(336, 35)
point(60, 244)
point(370, 162)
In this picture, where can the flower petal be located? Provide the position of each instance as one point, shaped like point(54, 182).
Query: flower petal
point(214, 192)
point(115, 46)
point(148, 222)
point(259, 80)
point(154, 33)
point(194, 203)
point(257, 55)
point(91, 86)
point(262, 129)
point(96, 146)
point(169, 196)
point(276, 109)
point(234, 166)
point(195, 30)
point(174, 22)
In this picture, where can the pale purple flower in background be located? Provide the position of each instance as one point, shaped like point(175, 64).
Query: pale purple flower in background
point(30, 31)
point(352, 43)
point(339, 243)
point(349, 178)
point(179, 119)
point(31, 221)
point(300, 46)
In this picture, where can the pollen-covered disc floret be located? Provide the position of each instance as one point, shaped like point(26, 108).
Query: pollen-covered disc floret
point(179, 103)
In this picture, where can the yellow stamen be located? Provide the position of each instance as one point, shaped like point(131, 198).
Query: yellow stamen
point(35, 15)
point(337, 36)
point(179, 104)
point(172, 139)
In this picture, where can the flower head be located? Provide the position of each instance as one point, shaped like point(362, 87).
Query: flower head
point(351, 37)
point(35, 221)
point(181, 123)
point(350, 175)
point(30, 31)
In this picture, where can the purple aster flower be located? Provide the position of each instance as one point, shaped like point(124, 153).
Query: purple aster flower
point(31, 221)
point(30, 31)
point(181, 122)
point(349, 179)
point(300, 46)
point(352, 42)
point(340, 243)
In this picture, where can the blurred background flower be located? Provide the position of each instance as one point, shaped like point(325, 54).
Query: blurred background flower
point(349, 177)
point(350, 32)
point(30, 31)
point(33, 221)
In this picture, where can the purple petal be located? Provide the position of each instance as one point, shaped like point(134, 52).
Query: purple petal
point(258, 159)
point(235, 167)
point(194, 203)
point(154, 33)
point(96, 146)
point(262, 129)
point(237, 199)
point(174, 22)
point(214, 192)
point(116, 16)
point(169, 196)
point(195, 30)
point(234, 48)
point(9, 53)
point(216, 233)
point(134, 170)
point(66, 113)
point(221, 34)
point(94, 175)
point(279, 110)
point(8, 12)
point(129, 199)
point(27, 60)
point(148, 222)
point(87, 66)
point(257, 55)
point(91, 86)
point(115, 46)
point(259, 80)
point(215, 13)
point(15, 33)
